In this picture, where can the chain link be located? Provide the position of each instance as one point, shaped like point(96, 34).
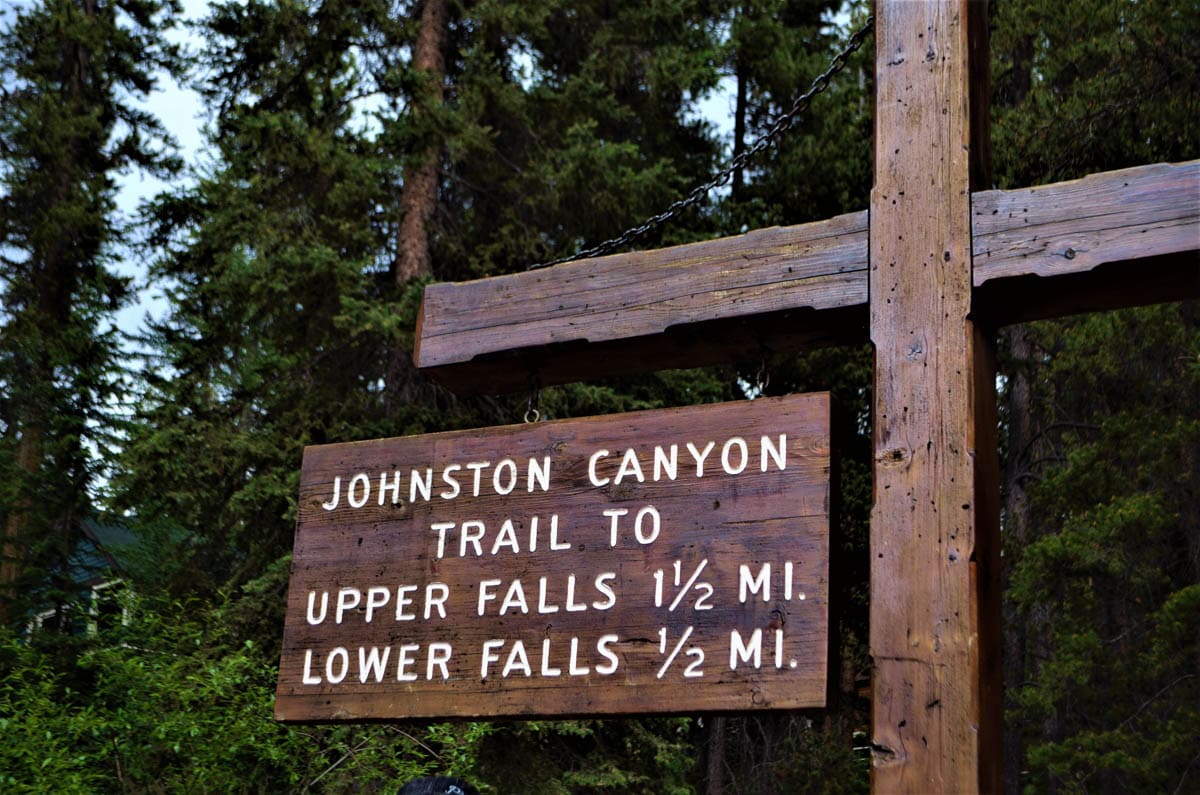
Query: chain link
point(781, 125)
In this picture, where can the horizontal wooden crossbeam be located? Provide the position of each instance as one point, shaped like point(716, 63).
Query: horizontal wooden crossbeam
point(1049, 250)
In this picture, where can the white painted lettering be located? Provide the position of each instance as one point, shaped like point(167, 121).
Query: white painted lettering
point(487, 594)
point(699, 456)
point(499, 483)
point(647, 537)
point(572, 605)
point(544, 608)
point(441, 528)
point(442, 592)
point(439, 655)
point(517, 660)
point(424, 485)
point(348, 599)
point(406, 659)
point(362, 478)
point(329, 505)
point(666, 464)
point(614, 514)
point(778, 453)
point(573, 666)
point(743, 456)
point(384, 486)
point(341, 654)
point(533, 533)
point(630, 466)
point(554, 542)
point(742, 652)
point(602, 581)
point(539, 474)
point(314, 620)
point(748, 584)
point(377, 596)
point(515, 599)
point(477, 467)
point(547, 670)
point(309, 679)
point(610, 667)
point(372, 663)
point(470, 533)
point(507, 537)
point(489, 655)
point(592, 476)
point(448, 478)
point(402, 601)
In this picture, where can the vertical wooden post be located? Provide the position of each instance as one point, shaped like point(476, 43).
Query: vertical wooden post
point(934, 526)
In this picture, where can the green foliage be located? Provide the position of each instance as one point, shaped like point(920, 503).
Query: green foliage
point(822, 165)
point(67, 128)
point(269, 261)
point(174, 703)
point(1102, 557)
point(646, 755)
point(1092, 85)
point(570, 124)
point(1107, 588)
point(814, 761)
point(563, 124)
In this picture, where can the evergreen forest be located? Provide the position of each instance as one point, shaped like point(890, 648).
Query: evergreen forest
point(357, 150)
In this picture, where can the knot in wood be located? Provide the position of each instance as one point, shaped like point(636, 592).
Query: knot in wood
point(882, 754)
point(895, 457)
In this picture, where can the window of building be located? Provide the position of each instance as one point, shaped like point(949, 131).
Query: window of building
point(109, 606)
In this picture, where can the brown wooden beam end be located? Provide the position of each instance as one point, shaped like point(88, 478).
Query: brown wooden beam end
point(1050, 250)
point(1111, 240)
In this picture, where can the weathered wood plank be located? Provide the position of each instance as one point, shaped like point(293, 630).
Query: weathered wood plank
point(806, 286)
point(642, 296)
point(1070, 227)
point(1120, 238)
point(930, 694)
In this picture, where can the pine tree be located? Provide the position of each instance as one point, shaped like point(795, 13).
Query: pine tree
point(822, 165)
point(67, 129)
point(279, 314)
point(1101, 498)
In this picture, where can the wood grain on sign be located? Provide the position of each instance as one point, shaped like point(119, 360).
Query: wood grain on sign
point(659, 561)
point(1038, 252)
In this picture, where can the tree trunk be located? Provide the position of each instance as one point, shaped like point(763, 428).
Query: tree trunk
point(1016, 515)
point(1015, 508)
point(418, 203)
point(55, 278)
point(419, 198)
point(29, 459)
point(715, 776)
point(739, 124)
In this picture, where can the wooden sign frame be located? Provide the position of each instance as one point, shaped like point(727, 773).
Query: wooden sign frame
point(579, 567)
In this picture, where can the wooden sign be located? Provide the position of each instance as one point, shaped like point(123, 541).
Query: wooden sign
point(658, 561)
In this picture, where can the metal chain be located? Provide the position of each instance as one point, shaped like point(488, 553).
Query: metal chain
point(781, 125)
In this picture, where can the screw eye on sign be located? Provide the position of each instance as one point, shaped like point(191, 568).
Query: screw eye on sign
point(658, 561)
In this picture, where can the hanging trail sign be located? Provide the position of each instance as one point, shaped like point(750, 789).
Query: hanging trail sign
point(579, 567)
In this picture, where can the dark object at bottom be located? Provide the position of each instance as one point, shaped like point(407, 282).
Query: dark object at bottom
point(438, 785)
